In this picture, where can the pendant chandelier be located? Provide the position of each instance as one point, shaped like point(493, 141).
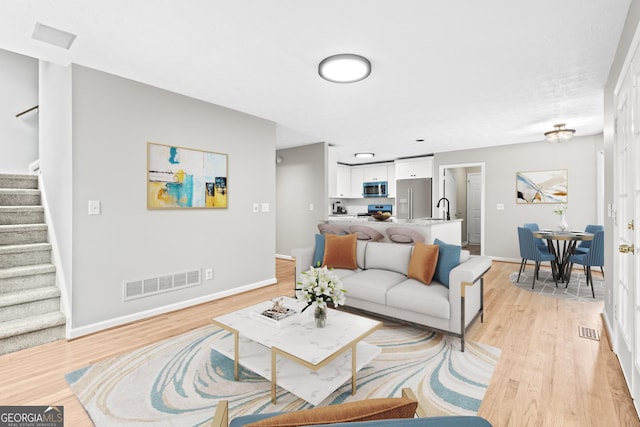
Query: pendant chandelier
point(559, 134)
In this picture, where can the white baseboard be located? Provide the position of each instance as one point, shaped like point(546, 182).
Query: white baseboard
point(119, 321)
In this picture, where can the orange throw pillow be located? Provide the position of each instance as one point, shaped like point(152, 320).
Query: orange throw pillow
point(423, 262)
point(340, 251)
point(361, 410)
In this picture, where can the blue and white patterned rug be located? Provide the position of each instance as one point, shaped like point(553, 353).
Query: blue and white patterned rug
point(178, 382)
point(577, 289)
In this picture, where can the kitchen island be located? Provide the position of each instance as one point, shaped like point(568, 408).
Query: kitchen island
point(449, 231)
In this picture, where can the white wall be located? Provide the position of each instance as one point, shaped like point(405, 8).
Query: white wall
point(19, 92)
point(56, 168)
point(578, 156)
point(113, 119)
point(301, 181)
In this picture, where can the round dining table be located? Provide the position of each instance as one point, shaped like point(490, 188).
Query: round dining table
point(564, 247)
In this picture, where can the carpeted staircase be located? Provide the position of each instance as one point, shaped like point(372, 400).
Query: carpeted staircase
point(29, 298)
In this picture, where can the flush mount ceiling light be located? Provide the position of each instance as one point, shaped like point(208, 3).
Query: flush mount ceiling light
point(559, 134)
point(53, 36)
point(364, 155)
point(344, 68)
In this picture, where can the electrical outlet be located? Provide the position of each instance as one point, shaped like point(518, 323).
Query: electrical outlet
point(500, 206)
point(256, 208)
point(208, 274)
point(265, 207)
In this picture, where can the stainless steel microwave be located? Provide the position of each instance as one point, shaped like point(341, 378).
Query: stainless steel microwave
point(375, 189)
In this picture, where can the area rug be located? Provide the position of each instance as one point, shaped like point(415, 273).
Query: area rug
point(178, 382)
point(578, 288)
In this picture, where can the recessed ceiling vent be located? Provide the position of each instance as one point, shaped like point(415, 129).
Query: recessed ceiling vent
point(133, 289)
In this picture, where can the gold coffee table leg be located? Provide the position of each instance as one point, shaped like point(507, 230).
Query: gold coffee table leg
point(353, 369)
point(273, 376)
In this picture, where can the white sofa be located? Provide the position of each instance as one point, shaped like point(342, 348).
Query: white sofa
point(380, 285)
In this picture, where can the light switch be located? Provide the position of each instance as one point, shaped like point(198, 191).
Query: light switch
point(94, 207)
point(265, 207)
point(256, 208)
point(310, 206)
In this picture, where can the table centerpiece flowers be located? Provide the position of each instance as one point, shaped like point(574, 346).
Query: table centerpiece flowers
point(562, 210)
point(319, 286)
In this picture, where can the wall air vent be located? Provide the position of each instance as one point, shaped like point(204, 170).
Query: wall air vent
point(138, 288)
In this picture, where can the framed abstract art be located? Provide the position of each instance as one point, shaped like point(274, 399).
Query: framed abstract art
point(542, 187)
point(180, 177)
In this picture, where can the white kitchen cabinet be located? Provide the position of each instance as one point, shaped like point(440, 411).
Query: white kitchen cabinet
point(420, 167)
point(374, 173)
point(391, 180)
point(357, 178)
point(343, 181)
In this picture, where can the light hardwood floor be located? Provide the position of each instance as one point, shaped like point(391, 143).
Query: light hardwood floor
point(546, 376)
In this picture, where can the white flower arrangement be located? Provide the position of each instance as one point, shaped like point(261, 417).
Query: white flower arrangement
point(560, 209)
point(320, 286)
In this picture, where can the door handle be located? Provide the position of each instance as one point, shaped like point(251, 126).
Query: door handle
point(624, 249)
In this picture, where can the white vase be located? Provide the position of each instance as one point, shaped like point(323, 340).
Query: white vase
point(562, 225)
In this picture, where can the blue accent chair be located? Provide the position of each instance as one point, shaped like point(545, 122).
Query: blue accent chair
point(540, 243)
point(530, 251)
point(221, 418)
point(593, 258)
point(584, 245)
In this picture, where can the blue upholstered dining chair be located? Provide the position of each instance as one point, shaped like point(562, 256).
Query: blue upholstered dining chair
point(530, 251)
point(539, 242)
point(593, 258)
point(584, 245)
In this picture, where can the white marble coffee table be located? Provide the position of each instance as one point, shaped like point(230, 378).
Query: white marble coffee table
point(307, 361)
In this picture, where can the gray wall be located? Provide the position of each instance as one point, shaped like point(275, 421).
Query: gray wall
point(301, 180)
point(578, 156)
point(18, 92)
point(112, 120)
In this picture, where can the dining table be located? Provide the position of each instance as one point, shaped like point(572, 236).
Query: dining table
point(562, 245)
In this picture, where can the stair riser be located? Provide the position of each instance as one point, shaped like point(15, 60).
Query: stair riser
point(23, 237)
point(19, 199)
point(18, 182)
point(20, 283)
point(31, 339)
point(15, 218)
point(19, 259)
point(21, 311)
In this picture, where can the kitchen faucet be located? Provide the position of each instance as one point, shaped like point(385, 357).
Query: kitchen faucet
point(438, 205)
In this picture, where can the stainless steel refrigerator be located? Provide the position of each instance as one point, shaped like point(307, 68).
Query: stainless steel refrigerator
point(413, 198)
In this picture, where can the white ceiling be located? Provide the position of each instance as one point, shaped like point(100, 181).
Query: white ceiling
point(457, 73)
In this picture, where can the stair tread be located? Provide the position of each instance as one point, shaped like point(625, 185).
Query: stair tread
point(31, 323)
point(19, 191)
point(27, 247)
point(21, 208)
point(22, 227)
point(26, 270)
point(28, 295)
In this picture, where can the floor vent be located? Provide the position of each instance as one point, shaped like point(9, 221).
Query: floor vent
point(132, 289)
point(589, 333)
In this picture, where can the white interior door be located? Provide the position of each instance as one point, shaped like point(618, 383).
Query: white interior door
point(627, 206)
point(474, 208)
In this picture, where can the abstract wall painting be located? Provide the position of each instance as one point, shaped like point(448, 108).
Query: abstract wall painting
point(185, 178)
point(542, 187)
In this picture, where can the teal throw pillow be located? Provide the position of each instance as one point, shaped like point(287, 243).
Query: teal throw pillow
point(318, 255)
point(448, 259)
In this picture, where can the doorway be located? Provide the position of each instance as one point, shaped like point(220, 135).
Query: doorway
point(463, 185)
point(626, 213)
